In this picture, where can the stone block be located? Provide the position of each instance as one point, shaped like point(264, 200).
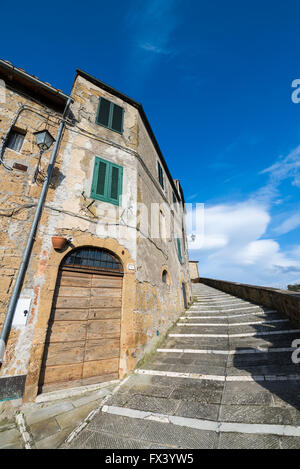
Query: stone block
point(75, 416)
point(44, 429)
point(34, 413)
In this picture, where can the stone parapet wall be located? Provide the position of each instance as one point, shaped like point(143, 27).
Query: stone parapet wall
point(283, 301)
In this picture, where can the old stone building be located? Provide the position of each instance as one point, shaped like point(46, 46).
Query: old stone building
point(194, 271)
point(89, 309)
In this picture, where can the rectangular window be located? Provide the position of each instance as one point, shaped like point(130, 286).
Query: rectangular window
point(110, 115)
point(15, 140)
point(160, 175)
point(163, 226)
point(174, 200)
point(107, 181)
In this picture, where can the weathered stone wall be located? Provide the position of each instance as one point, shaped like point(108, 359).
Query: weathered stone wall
point(283, 301)
point(193, 268)
point(19, 197)
point(158, 303)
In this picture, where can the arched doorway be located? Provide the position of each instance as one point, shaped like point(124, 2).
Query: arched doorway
point(83, 339)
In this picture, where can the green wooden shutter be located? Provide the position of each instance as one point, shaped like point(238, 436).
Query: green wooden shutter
point(100, 177)
point(160, 175)
point(117, 118)
point(179, 250)
point(174, 200)
point(107, 181)
point(103, 112)
point(115, 183)
point(110, 115)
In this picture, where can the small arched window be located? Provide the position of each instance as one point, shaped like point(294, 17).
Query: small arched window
point(164, 276)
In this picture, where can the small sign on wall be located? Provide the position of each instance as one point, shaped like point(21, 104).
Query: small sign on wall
point(130, 267)
point(21, 312)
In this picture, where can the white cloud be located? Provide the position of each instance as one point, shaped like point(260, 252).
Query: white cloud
point(224, 224)
point(258, 251)
point(233, 247)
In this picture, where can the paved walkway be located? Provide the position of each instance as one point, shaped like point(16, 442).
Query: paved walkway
point(46, 423)
point(224, 378)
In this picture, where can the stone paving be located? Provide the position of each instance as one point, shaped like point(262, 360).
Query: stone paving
point(46, 423)
point(224, 378)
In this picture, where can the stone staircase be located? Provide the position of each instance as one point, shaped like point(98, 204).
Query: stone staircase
point(224, 378)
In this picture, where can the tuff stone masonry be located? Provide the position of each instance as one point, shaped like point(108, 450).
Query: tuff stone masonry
point(86, 325)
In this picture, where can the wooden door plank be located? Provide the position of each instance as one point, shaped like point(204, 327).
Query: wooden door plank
point(72, 273)
point(61, 373)
point(74, 291)
point(105, 302)
point(102, 348)
point(100, 367)
point(81, 281)
point(67, 331)
point(110, 292)
point(107, 282)
point(71, 302)
point(105, 313)
point(69, 314)
point(98, 329)
point(65, 353)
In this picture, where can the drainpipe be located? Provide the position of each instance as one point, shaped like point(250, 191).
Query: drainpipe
point(27, 252)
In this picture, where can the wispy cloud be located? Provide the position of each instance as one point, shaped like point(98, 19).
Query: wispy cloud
point(154, 48)
point(150, 24)
point(287, 167)
point(193, 196)
point(291, 223)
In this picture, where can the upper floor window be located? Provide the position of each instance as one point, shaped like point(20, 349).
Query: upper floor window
point(179, 252)
point(110, 115)
point(15, 139)
point(163, 226)
point(183, 238)
point(160, 175)
point(174, 200)
point(107, 181)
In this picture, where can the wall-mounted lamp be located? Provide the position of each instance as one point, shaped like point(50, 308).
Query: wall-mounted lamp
point(44, 141)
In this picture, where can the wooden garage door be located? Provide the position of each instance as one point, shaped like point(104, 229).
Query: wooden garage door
point(83, 340)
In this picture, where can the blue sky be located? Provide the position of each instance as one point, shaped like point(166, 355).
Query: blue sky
point(215, 81)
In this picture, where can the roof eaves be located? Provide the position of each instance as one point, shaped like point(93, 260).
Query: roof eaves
point(31, 78)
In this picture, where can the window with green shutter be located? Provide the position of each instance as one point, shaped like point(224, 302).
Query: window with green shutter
point(174, 200)
point(160, 175)
point(107, 181)
point(110, 115)
point(179, 250)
